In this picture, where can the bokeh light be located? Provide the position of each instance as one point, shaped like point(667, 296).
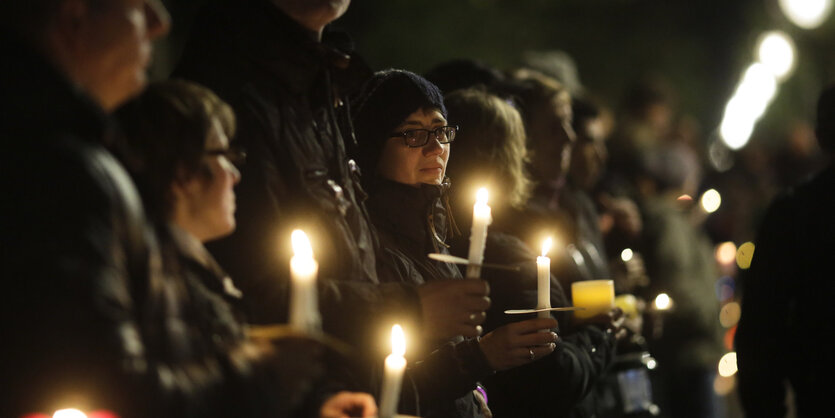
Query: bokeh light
point(626, 254)
point(745, 255)
point(753, 95)
point(725, 253)
point(727, 364)
point(725, 288)
point(724, 385)
point(777, 52)
point(663, 302)
point(69, 413)
point(711, 200)
point(807, 14)
point(729, 338)
point(729, 315)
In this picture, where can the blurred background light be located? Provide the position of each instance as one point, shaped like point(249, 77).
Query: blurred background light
point(727, 364)
point(807, 14)
point(69, 413)
point(725, 288)
point(662, 302)
point(745, 255)
point(711, 200)
point(626, 254)
point(723, 385)
point(725, 253)
point(729, 315)
point(776, 52)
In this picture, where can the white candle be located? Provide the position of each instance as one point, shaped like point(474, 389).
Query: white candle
point(393, 377)
point(304, 306)
point(543, 280)
point(478, 234)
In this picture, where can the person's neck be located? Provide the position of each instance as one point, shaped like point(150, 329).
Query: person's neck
point(314, 22)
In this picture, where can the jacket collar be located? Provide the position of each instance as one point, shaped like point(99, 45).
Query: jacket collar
point(193, 251)
point(274, 42)
point(38, 99)
point(408, 210)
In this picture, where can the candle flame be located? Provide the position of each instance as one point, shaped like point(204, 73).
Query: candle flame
point(398, 340)
point(301, 245)
point(546, 246)
point(481, 196)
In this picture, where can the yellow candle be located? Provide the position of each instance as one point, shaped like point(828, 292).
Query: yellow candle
point(543, 280)
point(393, 377)
point(304, 306)
point(597, 296)
point(478, 234)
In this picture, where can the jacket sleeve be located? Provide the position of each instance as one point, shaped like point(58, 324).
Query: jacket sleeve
point(559, 381)
point(760, 335)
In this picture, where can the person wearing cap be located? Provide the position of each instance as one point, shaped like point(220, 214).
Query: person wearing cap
point(787, 295)
point(404, 143)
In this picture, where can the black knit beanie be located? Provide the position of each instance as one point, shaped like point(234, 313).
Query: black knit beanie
point(384, 102)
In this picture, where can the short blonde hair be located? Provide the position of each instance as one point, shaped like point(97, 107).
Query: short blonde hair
point(490, 146)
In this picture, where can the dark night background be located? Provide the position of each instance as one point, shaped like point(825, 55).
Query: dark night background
point(701, 47)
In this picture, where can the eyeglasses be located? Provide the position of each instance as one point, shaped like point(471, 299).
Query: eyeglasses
point(416, 138)
point(235, 156)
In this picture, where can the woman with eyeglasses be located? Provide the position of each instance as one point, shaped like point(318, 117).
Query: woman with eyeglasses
point(404, 145)
point(177, 148)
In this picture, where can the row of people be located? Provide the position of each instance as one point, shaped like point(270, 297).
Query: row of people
point(130, 312)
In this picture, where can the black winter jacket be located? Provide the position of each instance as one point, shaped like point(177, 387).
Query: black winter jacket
point(287, 92)
point(413, 222)
point(88, 319)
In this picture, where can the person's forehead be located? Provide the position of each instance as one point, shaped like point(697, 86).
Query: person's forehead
point(422, 115)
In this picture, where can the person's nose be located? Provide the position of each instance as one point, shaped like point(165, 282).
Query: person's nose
point(157, 19)
point(236, 174)
point(433, 147)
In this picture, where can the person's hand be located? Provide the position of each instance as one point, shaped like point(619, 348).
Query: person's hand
point(519, 343)
point(453, 307)
point(611, 322)
point(349, 404)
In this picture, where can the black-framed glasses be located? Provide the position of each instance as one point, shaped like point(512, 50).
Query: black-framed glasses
point(235, 156)
point(416, 138)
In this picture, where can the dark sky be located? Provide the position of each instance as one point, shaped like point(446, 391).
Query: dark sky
point(701, 47)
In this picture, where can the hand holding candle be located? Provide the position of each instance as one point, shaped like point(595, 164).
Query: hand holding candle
point(478, 234)
point(395, 366)
point(304, 306)
point(543, 280)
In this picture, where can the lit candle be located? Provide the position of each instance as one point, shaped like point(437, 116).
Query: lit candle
point(478, 234)
point(395, 366)
point(596, 296)
point(304, 306)
point(543, 280)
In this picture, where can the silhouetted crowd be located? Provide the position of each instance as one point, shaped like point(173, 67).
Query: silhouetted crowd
point(147, 226)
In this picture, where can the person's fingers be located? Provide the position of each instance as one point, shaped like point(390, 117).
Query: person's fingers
point(533, 339)
point(473, 303)
point(531, 325)
point(533, 353)
point(477, 318)
point(472, 287)
point(467, 330)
